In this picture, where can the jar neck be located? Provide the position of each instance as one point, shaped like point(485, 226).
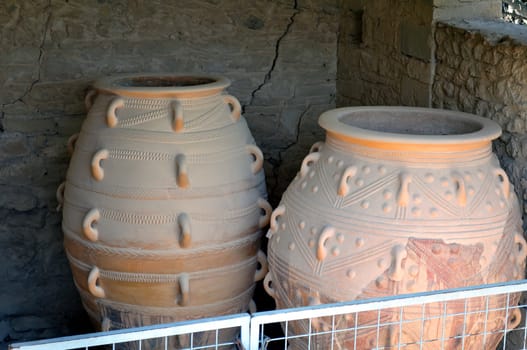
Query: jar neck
point(417, 153)
point(163, 86)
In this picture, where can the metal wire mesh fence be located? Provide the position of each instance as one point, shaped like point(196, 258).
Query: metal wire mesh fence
point(223, 332)
point(480, 317)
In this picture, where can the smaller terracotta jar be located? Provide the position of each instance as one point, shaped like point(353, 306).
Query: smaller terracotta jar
point(164, 202)
point(397, 200)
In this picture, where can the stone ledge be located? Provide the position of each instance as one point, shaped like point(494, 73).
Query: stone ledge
point(493, 31)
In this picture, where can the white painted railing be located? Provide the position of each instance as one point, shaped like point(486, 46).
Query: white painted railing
point(254, 329)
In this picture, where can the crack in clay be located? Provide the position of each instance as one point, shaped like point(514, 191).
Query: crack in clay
point(269, 73)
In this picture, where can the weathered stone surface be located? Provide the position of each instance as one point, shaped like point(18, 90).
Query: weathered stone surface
point(392, 48)
point(479, 70)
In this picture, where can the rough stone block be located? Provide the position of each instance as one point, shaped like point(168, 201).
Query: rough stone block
point(415, 40)
point(414, 93)
point(419, 70)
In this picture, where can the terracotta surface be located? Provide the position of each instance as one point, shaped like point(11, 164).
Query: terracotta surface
point(164, 202)
point(397, 200)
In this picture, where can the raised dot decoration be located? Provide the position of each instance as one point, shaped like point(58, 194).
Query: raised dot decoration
point(413, 271)
point(359, 242)
point(335, 251)
point(429, 178)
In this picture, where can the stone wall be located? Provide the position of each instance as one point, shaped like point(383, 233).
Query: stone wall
point(386, 49)
point(385, 53)
point(280, 55)
point(482, 69)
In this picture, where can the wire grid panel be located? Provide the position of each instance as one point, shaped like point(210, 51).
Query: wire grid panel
point(472, 318)
point(223, 332)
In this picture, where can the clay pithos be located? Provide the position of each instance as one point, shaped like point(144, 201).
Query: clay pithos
point(164, 202)
point(398, 200)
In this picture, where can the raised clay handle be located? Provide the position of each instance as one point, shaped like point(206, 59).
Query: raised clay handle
point(521, 252)
point(317, 147)
point(96, 168)
point(504, 179)
point(267, 209)
point(89, 98)
point(262, 271)
point(182, 179)
point(279, 211)
point(514, 320)
point(461, 192)
point(111, 116)
point(184, 289)
point(327, 233)
point(71, 143)
point(185, 238)
point(60, 195)
point(258, 158)
point(94, 288)
point(178, 123)
point(87, 224)
point(235, 105)
point(306, 163)
point(347, 174)
point(267, 285)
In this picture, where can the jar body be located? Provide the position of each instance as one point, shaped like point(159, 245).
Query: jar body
point(164, 202)
point(368, 218)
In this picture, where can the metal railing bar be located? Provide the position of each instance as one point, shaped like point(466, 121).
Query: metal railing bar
point(134, 334)
point(396, 301)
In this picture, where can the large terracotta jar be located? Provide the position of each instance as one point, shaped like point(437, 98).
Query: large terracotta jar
point(398, 200)
point(164, 202)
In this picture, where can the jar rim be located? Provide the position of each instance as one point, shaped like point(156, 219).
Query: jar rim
point(404, 125)
point(162, 84)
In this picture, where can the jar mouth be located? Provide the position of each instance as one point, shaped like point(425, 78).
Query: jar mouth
point(163, 81)
point(411, 125)
point(162, 85)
